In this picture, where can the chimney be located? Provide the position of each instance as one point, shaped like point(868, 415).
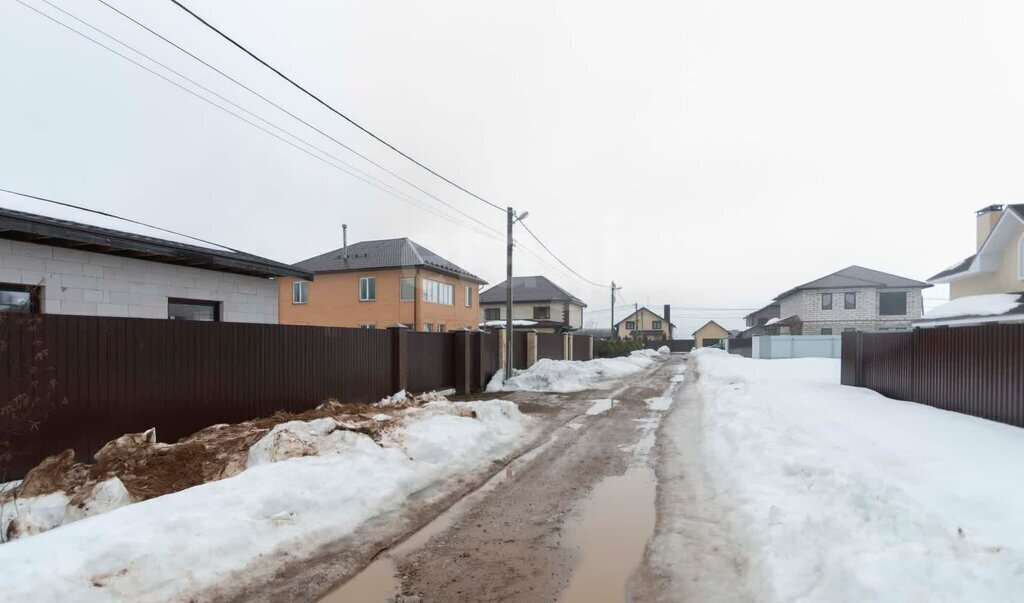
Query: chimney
point(344, 241)
point(987, 218)
point(668, 319)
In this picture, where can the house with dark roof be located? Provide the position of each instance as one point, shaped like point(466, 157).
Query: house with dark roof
point(536, 300)
point(644, 324)
point(988, 286)
point(851, 299)
point(55, 265)
point(376, 284)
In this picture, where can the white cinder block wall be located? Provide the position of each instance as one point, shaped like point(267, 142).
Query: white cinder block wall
point(807, 305)
point(96, 284)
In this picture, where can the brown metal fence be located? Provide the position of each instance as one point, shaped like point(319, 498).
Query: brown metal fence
point(519, 357)
point(488, 357)
point(742, 347)
point(550, 345)
point(676, 345)
point(581, 347)
point(972, 370)
point(431, 361)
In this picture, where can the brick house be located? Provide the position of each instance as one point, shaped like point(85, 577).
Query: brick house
point(375, 284)
point(55, 266)
point(851, 299)
point(537, 299)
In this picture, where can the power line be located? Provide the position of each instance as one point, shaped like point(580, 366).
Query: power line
point(353, 171)
point(286, 111)
point(329, 107)
point(548, 249)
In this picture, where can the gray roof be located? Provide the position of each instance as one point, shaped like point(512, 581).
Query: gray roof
point(386, 253)
point(966, 263)
point(639, 310)
point(57, 232)
point(857, 276)
point(529, 289)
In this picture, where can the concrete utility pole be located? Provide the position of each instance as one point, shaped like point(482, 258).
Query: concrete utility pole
point(615, 334)
point(636, 318)
point(512, 218)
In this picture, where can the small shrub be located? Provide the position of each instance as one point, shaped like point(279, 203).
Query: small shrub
point(612, 348)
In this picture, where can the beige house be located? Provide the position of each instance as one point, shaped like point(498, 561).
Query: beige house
point(547, 307)
point(643, 324)
point(710, 334)
point(989, 285)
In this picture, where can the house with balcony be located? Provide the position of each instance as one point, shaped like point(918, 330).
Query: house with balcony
point(77, 263)
point(988, 286)
point(376, 284)
point(537, 302)
point(851, 299)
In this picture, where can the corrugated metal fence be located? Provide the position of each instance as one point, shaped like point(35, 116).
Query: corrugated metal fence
point(551, 345)
point(581, 347)
point(431, 361)
point(972, 370)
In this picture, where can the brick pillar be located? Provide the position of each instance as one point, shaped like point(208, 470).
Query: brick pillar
point(399, 357)
point(567, 346)
point(590, 346)
point(501, 348)
point(463, 362)
point(531, 348)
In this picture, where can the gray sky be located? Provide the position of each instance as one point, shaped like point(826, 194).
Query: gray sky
point(703, 154)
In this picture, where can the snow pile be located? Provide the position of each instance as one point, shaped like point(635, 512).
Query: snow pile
point(664, 350)
point(282, 508)
point(503, 323)
point(976, 305)
point(771, 321)
point(567, 376)
point(840, 494)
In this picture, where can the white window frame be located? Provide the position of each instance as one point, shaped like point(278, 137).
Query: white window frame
point(655, 325)
point(302, 286)
point(488, 311)
point(367, 326)
point(427, 327)
point(401, 290)
point(436, 292)
point(364, 296)
point(469, 296)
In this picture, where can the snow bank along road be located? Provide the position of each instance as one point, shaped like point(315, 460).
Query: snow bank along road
point(779, 484)
point(568, 522)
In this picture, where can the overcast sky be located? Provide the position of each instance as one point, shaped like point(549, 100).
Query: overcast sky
point(704, 154)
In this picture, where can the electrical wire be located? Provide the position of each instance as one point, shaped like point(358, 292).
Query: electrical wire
point(329, 107)
point(548, 249)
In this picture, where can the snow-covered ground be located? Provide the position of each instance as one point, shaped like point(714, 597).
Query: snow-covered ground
point(177, 546)
point(567, 376)
point(839, 494)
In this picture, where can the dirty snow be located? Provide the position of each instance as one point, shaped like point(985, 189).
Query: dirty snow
point(975, 305)
point(839, 494)
point(177, 546)
point(659, 403)
point(600, 407)
point(567, 376)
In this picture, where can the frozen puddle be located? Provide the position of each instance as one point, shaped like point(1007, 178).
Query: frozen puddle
point(617, 521)
point(600, 406)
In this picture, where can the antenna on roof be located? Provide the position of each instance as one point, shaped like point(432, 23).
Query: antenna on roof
point(344, 241)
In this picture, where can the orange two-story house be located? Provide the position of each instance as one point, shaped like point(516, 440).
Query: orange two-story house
point(376, 284)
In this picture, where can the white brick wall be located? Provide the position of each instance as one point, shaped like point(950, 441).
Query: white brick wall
point(807, 305)
point(94, 284)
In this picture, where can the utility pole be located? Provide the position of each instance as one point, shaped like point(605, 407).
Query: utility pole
point(508, 298)
point(636, 317)
point(615, 334)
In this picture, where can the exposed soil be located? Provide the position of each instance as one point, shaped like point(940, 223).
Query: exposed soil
point(520, 541)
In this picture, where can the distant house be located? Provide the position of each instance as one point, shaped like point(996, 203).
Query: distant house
point(758, 318)
point(644, 324)
point(551, 308)
point(710, 334)
point(851, 299)
point(56, 266)
point(989, 285)
point(375, 284)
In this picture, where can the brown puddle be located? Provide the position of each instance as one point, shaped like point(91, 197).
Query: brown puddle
point(618, 520)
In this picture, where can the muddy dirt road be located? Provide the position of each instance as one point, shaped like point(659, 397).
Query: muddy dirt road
point(569, 521)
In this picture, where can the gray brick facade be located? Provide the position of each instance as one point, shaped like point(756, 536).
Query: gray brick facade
point(807, 304)
point(95, 284)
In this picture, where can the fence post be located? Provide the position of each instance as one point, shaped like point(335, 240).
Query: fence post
point(399, 357)
point(531, 348)
point(463, 362)
point(590, 347)
point(567, 346)
point(502, 349)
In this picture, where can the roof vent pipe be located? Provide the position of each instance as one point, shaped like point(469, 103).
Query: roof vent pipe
point(344, 241)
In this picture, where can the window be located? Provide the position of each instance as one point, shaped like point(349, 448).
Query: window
point(850, 301)
point(542, 312)
point(407, 288)
point(761, 322)
point(427, 327)
point(849, 330)
point(368, 288)
point(300, 292)
point(492, 314)
point(892, 303)
point(441, 328)
point(19, 299)
point(826, 331)
point(469, 296)
point(656, 325)
point(826, 301)
point(630, 325)
point(193, 309)
point(368, 326)
point(438, 293)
